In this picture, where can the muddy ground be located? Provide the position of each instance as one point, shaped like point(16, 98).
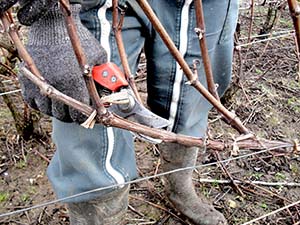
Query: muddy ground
point(265, 94)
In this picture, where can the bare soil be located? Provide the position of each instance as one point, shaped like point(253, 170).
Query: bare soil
point(265, 94)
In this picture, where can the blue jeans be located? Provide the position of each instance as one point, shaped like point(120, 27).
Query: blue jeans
point(87, 159)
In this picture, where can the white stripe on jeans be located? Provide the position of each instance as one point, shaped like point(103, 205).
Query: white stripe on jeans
point(104, 40)
point(179, 73)
point(113, 172)
point(105, 27)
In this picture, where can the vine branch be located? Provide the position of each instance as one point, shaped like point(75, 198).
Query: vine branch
point(295, 14)
point(81, 58)
point(200, 30)
point(117, 27)
point(166, 136)
point(231, 117)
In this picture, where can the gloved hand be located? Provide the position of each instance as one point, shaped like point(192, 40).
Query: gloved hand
point(52, 52)
point(30, 11)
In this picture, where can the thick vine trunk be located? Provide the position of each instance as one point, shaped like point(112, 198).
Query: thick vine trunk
point(26, 120)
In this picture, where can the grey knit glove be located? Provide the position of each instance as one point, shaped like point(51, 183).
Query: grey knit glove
point(51, 50)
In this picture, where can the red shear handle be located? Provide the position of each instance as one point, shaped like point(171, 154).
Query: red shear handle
point(109, 76)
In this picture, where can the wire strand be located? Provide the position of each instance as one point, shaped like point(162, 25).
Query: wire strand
point(10, 92)
point(271, 213)
point(271, 34)
point(264, 40)
point(139, 180)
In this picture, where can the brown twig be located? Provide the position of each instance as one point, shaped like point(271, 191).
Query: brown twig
point(271, 194)
point(135, 211)
point(258, 59)
point(295, 13)
point(151, 187)
point(159, 207)
point(239, 78)
point(157, 166)
point(81, 58)
point(200, 30)
point(232, 118)
point(290, 214)
point(226, 172)
point(6, 44)
point(42, 156)
point(9, 69)
point(251, 21)
point(298, 56)
point(256, 193)
point(117, 27)
point(11, 28)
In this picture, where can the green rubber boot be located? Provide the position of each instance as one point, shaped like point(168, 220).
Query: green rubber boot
point(107, 210)
point(179, 187)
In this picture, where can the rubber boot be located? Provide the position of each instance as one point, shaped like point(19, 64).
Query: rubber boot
point(107, 210)
point(179, 186)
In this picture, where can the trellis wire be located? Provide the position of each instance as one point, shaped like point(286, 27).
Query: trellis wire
point(139, 180)
point(257, 182)
point(274, 49)
point(248, 6)
point(7, 81)
point(10, 92)
point(275, 33)
point(271, 213)
point(265, 40)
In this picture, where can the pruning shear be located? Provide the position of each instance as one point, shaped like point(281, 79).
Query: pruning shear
point(118, 97)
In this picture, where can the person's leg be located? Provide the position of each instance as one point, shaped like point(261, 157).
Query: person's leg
point(108, 209)
point(179, 186)
point(87, 159)
point(170, 96)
